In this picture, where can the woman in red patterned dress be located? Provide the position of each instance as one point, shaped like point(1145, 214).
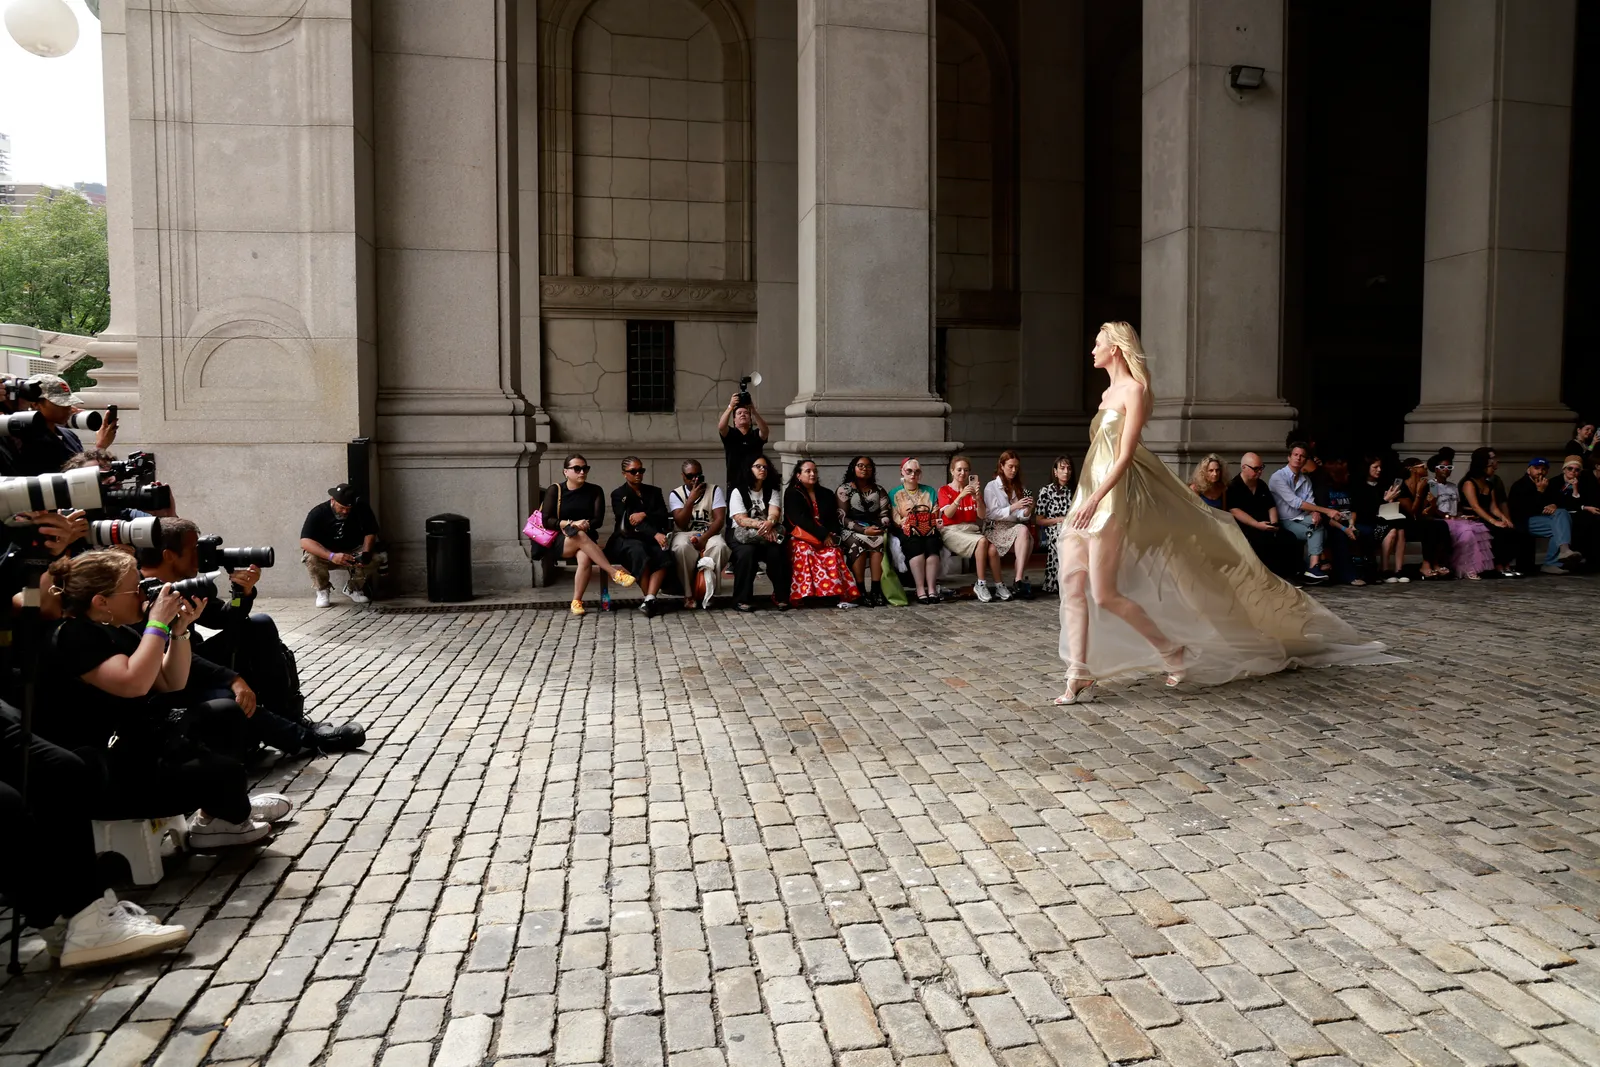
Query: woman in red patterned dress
point(817, 564)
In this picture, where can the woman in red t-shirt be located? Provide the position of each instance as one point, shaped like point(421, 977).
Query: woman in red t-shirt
point(961, 511)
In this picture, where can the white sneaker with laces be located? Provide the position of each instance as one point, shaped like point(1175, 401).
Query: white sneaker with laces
point(1002, 591)
point(982, 589)
point(111, 930)
point(209, 831)
point(324, 597)
point(270, 807)
point(357, 596)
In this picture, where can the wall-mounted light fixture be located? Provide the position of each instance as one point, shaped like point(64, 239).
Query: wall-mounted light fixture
point(1243, 79)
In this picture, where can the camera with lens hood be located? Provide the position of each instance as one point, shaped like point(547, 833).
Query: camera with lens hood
point(80, 489)
point(214, 557)
point(135, 533)
point(200, 587)
point(24, 423)
point(22, 389)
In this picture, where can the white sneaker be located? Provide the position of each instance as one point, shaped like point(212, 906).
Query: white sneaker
point(112, 930)
point(324, 597)
point(982, 589)
point(1002, 591)
point(357, 596)
point(270, 807)
point(211, 832)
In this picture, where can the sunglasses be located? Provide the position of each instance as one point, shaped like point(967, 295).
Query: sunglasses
point(579, 468)
point(694, 477)
point(1248, 467)
point(632, 470)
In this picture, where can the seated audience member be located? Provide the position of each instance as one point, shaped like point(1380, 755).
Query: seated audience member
point(1345, 546)
point(755, 508)
point(1055, 500)
point(1422, 514)
point(340, 534)
point(1382, 521)
point(914, 508)
point(576, 510)
point(1483, 500)
point(255, 667)
point(961, 517)
point(1536, 509)
point(1295, 498)
point(699, 517)
point(642, 533)
point(817, 569)
point(1471, 548)
point(49, 873)
point(1209, 481)
point(1580, 498)
point(1583, 440)
point(1010, 524)
point(111, 669)
point(864, 522)
point(1251, 504)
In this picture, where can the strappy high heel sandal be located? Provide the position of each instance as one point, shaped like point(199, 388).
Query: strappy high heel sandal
point(1176, 664)
point(1077, 694)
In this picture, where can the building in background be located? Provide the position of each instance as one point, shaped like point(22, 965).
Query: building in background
point(5, 167)
point(488, 235)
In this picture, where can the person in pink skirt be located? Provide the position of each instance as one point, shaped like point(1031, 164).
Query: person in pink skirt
point(817, 564)
point(1471, 552)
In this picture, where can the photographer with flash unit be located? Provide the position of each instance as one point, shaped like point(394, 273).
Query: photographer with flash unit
point(45, 452)
point(743, 431)
point(340, 534)
point(267, 684)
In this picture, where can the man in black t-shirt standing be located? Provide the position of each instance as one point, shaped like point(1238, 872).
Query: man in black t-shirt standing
point(742, 442)
point(339, 534)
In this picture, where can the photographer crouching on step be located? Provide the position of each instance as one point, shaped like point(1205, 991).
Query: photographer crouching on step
point(267, 682)
point(340, 534)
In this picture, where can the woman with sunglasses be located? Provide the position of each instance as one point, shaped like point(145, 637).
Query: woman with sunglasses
point(1471, 551)
point(576, 510)
point(1579, 495)
point(755, 509)
point(915, 507)
point(817, 570)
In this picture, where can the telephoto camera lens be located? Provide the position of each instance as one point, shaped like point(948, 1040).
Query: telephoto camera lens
point(153, 497)
point(203, 587)
point(85, 420)
point(23, 423)
point(214, 557)
point(53, 492)
point(139, 533)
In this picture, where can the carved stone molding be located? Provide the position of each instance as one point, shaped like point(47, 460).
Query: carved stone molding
point(623, 298)
point(992, 309)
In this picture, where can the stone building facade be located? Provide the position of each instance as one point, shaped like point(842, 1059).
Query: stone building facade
point(473, 231)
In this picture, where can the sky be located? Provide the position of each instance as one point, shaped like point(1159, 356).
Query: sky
point(53, 109)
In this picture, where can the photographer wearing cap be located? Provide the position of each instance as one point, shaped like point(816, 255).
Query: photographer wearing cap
point(339, 534)
point(45, 453)
point(267, 683)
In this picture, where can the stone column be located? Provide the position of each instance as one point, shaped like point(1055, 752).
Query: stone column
point(1499, 134)
point(1212, 233)
point(117, 346)
point(248, 150)
point(776, 251)
point(455, 432)
point(1054, 348)
point(866, 250)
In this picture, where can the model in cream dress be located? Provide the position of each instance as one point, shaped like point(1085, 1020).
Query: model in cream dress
point(1154, 581)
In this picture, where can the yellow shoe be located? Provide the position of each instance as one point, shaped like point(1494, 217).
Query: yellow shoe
point(577, 607)
point(623, 578)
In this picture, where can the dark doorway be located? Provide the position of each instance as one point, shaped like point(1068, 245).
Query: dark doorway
point(1580, 379)
point(1356, 168)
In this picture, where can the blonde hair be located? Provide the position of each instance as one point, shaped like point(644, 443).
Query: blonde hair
point(1209, 458)
point(1126, 338)
point(79, 579)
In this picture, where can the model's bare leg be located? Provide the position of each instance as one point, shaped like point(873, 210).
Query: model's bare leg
point(1075, 616)
point(1105, 554)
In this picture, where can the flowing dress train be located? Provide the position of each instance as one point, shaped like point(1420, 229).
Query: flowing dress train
point(1192, 571)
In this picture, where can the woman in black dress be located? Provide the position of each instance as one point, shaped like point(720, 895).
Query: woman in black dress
point(576, 510)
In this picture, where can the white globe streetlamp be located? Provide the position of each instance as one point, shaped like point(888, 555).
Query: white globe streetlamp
point(44, 27)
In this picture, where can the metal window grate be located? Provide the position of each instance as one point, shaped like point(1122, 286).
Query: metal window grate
point(650, 366)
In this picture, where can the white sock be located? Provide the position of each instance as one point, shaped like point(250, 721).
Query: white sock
point(649, 597)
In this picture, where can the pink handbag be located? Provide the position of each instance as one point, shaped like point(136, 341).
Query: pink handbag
point(534, 528)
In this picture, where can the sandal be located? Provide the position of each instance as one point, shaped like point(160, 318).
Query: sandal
point(1176, 674)
point(622, 577)
point(578, 608)
point(744, 608)
point(1081, 695)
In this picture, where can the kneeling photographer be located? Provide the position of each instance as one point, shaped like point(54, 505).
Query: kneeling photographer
point(266, 684)
point(115, 674)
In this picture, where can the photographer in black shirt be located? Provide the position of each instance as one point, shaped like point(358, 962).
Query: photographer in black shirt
point(340, 534)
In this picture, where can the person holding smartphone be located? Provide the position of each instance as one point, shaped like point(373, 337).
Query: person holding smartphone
point(960, 513)
point(577, 511)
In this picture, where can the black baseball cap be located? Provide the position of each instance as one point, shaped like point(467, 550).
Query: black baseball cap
point(343, 494)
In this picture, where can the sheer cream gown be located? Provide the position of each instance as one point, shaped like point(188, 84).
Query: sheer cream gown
point(1198, 582)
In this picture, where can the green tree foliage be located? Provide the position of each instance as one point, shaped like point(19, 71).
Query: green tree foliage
point(54, 273)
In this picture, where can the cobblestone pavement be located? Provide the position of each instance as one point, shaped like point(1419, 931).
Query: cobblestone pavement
point(866, 838)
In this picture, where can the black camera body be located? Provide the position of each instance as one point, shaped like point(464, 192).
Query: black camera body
point(22, 389)
point(744, 391)
point(139, 467)
point(214, 557)
point(201, 587)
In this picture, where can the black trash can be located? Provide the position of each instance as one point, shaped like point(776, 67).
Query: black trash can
point(449, 558)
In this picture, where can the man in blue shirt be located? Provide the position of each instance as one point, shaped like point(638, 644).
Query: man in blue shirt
point(1298, 513)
